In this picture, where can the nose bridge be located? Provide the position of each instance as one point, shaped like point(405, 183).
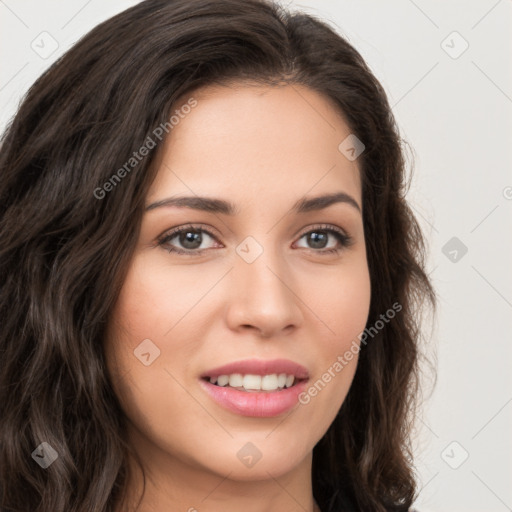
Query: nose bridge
point(263, 297)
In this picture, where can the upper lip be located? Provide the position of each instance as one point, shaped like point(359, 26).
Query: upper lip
point(259, 367)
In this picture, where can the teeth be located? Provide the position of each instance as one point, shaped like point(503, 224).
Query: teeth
point(250, 382)
point(236, 380)
point(222, 380)
point(269, 382)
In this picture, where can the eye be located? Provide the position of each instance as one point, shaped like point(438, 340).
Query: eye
point(192, 240)
point(189, 240)
point(326, 239)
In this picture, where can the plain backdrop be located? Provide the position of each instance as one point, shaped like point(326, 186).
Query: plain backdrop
point(446, 67)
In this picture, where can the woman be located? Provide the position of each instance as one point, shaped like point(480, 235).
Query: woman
point(210, 277)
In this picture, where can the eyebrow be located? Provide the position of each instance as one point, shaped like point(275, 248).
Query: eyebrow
point(214, 205)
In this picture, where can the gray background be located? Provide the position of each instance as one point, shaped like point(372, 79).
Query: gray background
point(454, 108)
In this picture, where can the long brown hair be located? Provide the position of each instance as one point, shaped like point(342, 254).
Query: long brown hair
point(64, 251)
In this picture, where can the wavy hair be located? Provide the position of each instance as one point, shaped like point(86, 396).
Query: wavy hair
point(64, 252)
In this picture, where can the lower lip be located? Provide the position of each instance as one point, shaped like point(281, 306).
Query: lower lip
point(261, 404)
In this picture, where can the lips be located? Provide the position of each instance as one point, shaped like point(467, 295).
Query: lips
point(260, 394)
point(260, 367)
point(263, 404)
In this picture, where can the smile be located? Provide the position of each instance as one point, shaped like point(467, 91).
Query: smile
point(254, 383)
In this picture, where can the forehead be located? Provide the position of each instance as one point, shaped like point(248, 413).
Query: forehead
point(255, 142)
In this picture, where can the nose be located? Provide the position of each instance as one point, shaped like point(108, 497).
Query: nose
point(263, 297)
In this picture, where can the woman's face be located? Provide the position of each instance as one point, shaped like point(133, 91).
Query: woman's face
point(269, 289)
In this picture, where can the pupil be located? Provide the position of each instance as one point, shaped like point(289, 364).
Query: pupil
point(319, 240)
point(191, 239)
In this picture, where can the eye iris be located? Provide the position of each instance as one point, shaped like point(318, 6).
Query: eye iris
point(318, 239)
point(191, 239)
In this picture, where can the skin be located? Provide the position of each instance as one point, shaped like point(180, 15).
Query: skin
point(262, 148)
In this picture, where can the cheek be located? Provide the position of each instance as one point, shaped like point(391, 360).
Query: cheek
point(154, 298)
point(135, 330)
point(341, 301)
point(153, 321)
point(145, 360)
point(353, 306)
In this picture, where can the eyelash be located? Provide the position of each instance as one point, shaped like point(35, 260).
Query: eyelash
point(344, 239)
